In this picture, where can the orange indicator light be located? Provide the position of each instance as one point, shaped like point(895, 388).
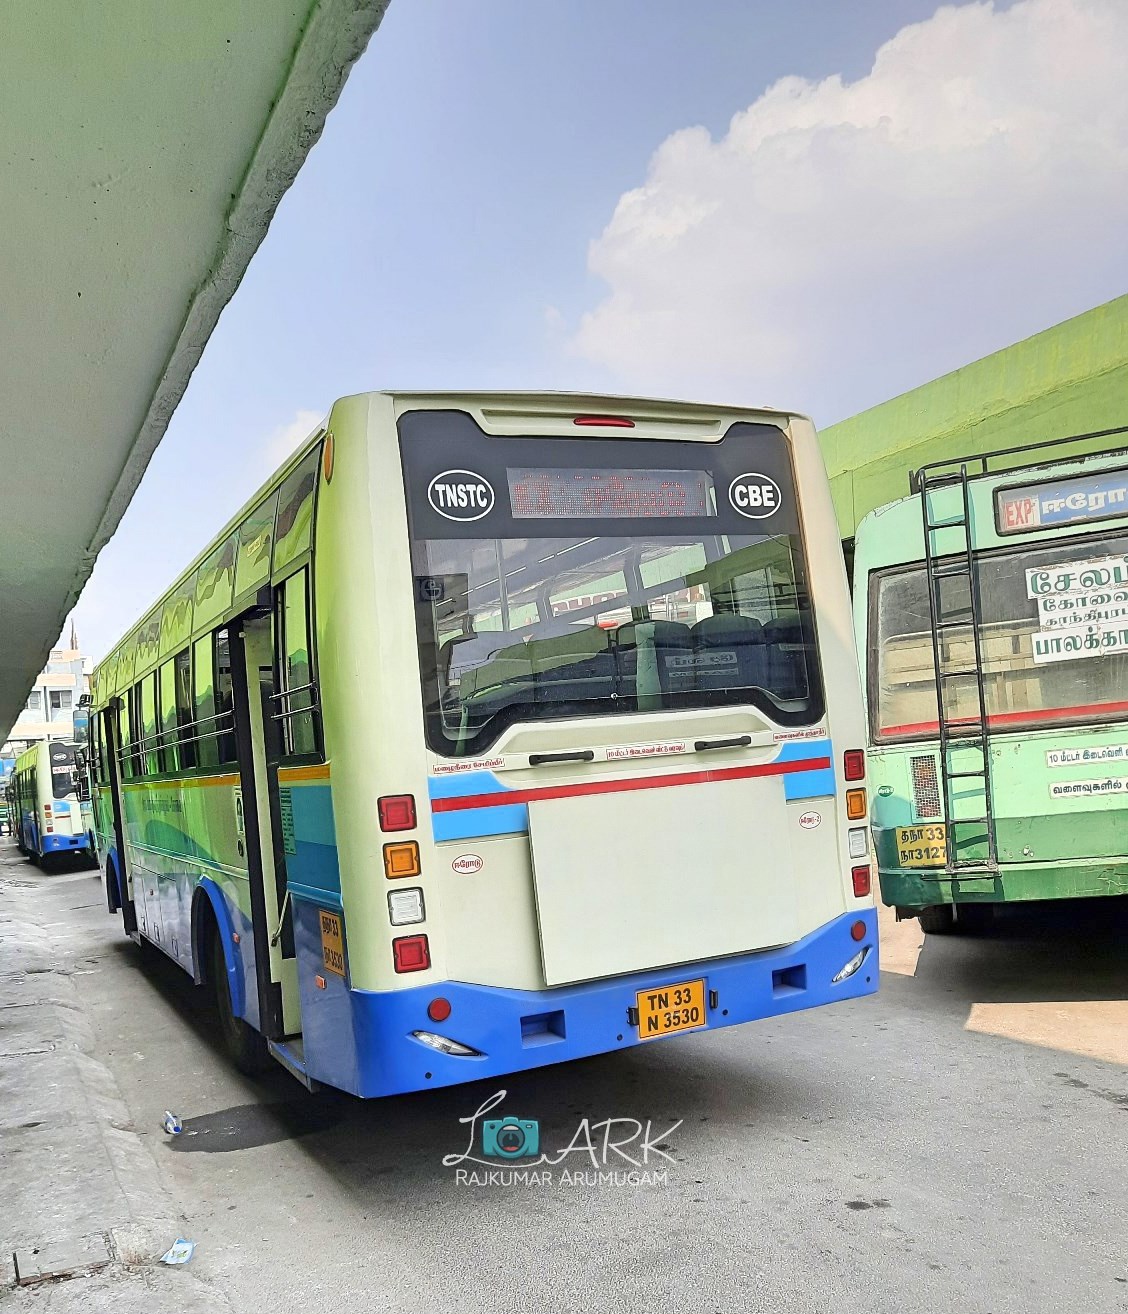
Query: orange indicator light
point(855, 804)
point(401, 860)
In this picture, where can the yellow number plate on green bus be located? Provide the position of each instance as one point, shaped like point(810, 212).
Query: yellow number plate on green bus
point(921, 846)
point(332, 943)
point(673, 1008)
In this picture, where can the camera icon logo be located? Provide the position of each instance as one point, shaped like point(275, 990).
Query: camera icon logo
point(510, 1138)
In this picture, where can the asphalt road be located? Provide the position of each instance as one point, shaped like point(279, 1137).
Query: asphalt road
point(904, 1152)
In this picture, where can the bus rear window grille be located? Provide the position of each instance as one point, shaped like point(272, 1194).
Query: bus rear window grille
point(926, 788)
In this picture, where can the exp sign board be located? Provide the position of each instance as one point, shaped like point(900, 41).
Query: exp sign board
point(1026, 507)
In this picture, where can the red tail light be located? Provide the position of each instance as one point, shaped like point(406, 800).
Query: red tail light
point(397, 812)
point(854, 764)
point(861, 878)
point(411, 953)
point(858, 931)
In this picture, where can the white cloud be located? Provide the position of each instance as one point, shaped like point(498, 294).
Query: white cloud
point(845, 241)
point(284, 440)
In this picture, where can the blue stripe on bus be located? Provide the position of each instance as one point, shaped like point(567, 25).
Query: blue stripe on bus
point(314, 864)
point(808, 784)
point(505, 819)
point(513, 818)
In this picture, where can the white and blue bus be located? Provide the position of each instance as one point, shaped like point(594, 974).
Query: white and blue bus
point(48, 815)
point(497, 731)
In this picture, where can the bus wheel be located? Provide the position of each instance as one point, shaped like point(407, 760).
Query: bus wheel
point(246, 1048)
point(975, 917)
point(937, 920)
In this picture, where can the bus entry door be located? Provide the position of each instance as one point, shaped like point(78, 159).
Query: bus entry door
point(252, 663)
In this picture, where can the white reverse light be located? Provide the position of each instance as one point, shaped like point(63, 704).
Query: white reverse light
point(405, 906)
point(859, 842)
point(851, 967)
point(445, 1045)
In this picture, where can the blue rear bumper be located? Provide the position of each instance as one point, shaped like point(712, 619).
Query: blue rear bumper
point(63, 843)
point(519, 1029)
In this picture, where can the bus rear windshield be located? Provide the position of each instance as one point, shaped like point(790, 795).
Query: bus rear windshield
point(1053, 640)
point(557, 578)
point(63, 777)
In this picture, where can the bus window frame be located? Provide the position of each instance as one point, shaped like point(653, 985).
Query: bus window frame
point(283, 716)
point(168, 741)
point(185, 724)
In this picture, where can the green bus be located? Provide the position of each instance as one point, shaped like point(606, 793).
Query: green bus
point(991, 615)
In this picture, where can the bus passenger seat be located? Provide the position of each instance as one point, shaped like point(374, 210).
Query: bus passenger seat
point(729, 652)
point(659, 657)
point(786, 644)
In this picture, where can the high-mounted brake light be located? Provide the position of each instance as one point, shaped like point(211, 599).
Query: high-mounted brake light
point(861, 878)
point(411, 953)
point(855, 804)
point(854, 764)
point(604, 421)
point(397, 812)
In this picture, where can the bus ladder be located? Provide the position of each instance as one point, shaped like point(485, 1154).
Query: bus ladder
point(963, 732)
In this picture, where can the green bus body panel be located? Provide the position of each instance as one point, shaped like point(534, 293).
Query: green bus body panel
point(1027, 882)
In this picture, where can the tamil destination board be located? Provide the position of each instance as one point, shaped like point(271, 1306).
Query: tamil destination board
point(1025, 507)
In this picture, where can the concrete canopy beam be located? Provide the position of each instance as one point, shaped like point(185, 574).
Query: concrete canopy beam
point(146, 148)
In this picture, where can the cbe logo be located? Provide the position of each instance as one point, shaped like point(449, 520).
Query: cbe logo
point(755, 496)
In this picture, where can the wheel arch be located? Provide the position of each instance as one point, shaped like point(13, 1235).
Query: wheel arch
point(113, 883)
point(208, 901)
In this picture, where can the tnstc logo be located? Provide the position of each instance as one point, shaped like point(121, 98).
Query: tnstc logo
point(754, 495)
point(460, 495)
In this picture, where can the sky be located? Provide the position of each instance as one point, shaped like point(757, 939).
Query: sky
point(809, 204)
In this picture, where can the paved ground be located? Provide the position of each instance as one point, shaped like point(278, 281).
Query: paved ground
point(896, 1154)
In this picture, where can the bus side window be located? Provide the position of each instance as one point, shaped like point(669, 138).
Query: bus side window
point(93, 758)
point(136, 732)
point(103, 749)
point(166, 715)
point(125, 764)
point(184, 715)
point(207, 752)
point(224, 698)
point(150, 763)
point(295, 669)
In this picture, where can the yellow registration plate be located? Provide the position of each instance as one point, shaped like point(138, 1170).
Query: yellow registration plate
point(672, 1008)
point(332, 943)
point(921, 846)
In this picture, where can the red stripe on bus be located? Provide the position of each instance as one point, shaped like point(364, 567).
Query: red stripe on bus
point(510, 797)
point(1011, 718)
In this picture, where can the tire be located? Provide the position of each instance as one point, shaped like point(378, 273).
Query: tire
point(244, 1045)
point(975, 918)
point(938, 920)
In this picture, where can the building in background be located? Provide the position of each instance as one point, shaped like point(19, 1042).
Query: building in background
point(52, 708)
point(1069, 379)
